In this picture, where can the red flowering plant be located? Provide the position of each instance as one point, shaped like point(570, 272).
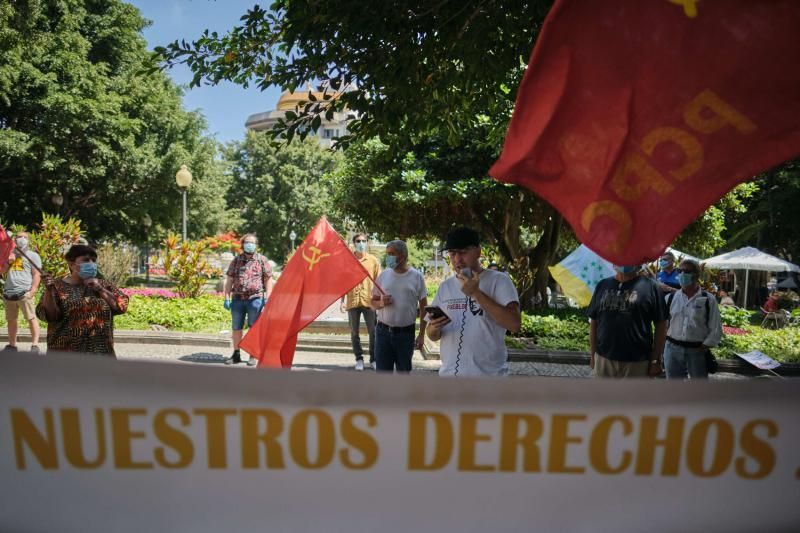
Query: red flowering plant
point(224, 242)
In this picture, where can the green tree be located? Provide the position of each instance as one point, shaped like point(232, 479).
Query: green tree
point(279, 188)
point(433, 187)
point(77, 118)
point(402, 68)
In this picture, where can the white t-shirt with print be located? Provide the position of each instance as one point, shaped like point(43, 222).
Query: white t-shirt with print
point(407, 289)
point(481, 340)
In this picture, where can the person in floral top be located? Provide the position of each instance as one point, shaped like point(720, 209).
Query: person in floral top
point(247, 288)
point(79, 309)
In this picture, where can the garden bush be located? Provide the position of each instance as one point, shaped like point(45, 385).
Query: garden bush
point(116, 262)
point(735, 317)
point(557, 329)
point(204, 314)
point(782, 344)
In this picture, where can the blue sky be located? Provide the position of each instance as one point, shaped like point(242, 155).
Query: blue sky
point(225, 106)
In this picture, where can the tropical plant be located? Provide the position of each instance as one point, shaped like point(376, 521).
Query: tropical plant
point(52, 239)
point(185, 265)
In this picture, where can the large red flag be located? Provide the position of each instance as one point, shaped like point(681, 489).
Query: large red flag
point(7, 246)
point(635, 115)
point(321, 270)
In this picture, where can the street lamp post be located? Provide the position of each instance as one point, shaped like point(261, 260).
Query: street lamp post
point(184, 178)
point(292, 236)
point(436, 256)
point(147, 222)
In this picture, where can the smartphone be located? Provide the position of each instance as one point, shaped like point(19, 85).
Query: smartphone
point(434, 311)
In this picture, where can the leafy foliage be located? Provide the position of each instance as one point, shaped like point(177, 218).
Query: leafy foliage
point(782, 345)
point(567, 330)
point(279, 189)
point(403, 68)
point(735, 317)
point(203, 314)
point(184, 264)
point(115, 262)
point(78, 118)
point(52, 239)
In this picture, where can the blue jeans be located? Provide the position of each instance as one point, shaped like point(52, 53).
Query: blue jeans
point(241, 308)
point(680, 362)
point(393, 349)
point(354, 317)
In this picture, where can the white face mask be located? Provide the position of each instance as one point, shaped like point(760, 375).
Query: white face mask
point(22, 243)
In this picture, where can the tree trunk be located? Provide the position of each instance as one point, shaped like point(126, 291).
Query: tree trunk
point(540, 258)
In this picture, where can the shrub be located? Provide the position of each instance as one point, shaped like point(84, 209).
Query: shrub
point(204, 314)
point(224, 242)
point(185, 265)
point(735, 317)
point(115, 262)
point(51, 240)
point(568, 332)
point(782, 345)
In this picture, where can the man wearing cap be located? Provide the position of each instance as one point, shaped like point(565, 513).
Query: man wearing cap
point(480, 305)
point(625, 309)
point(357, 302)
point(22, 281)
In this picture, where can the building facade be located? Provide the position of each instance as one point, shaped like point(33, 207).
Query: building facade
point(328, 131)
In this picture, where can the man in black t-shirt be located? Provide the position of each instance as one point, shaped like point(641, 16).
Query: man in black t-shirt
point(625, 310)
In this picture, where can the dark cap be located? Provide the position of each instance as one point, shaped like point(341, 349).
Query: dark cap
point(460, 238)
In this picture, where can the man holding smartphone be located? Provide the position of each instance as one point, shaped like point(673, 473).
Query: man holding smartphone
point(479, 305)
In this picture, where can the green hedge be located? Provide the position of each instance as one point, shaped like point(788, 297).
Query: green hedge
point(204, 314)
point(558, 329)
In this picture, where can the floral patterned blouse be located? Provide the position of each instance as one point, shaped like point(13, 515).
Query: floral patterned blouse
point(86, 321)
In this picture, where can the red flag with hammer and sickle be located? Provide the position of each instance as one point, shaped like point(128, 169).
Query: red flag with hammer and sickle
point(321, 270)
point(634, 116)
point(7, 246)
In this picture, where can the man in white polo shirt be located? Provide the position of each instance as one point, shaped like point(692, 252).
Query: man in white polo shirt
point(479, 306)
point(403, 299)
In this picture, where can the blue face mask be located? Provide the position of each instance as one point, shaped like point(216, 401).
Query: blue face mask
point(87, 270)
point(249, 247)
point(361, 247)
point(685, 279)
point(391, 261)
point(627, 269)
point(663, 264)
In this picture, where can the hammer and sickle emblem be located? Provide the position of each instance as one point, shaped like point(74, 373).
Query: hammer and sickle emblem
point(316, 257)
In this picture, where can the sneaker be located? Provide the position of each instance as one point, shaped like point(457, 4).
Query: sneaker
point(10, 348)
point(373, 365)
point(234, 359)
point(252, 361)
point(360, 365)
point(35, 349)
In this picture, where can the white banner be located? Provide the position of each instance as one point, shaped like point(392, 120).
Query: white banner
point(88, 444)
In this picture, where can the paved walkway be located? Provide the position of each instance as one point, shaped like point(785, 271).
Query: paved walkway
point(327, 362)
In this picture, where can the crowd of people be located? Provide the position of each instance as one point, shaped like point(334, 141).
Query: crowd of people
point(640, 325)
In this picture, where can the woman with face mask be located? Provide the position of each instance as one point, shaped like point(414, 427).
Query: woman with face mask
point(79, 308)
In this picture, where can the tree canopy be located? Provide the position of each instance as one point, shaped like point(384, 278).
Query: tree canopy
point(401, 68)
point(78, 118)
point(279, 189)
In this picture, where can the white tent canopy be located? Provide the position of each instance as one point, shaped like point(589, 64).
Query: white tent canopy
point(680, 256)
point(747, 259)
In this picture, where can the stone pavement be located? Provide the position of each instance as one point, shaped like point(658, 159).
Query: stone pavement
point(327, 362)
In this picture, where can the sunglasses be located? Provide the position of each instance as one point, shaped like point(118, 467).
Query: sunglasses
point(361, 240)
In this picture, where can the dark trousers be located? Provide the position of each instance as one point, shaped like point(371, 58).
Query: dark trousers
point(393, 349)
point(354, 317)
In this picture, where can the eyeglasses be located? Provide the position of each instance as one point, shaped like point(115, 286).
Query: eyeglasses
point(361, 240)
